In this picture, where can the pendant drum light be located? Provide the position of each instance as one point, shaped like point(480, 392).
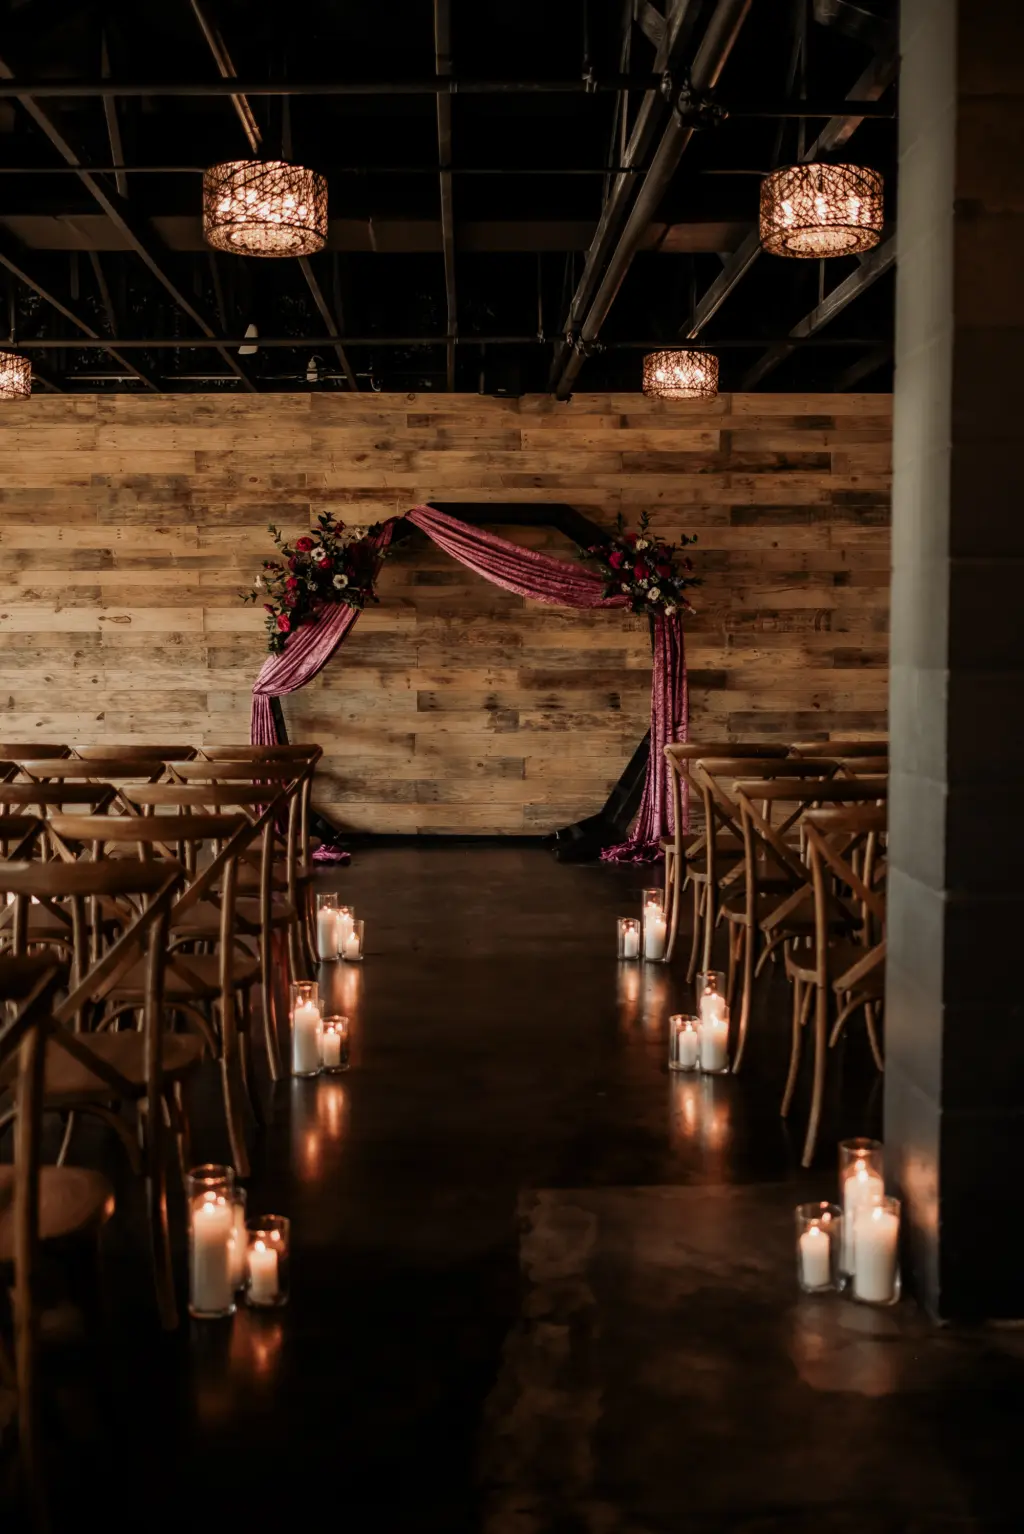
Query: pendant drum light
point(821, 210)
point(264, 208)
point(680, 375)
point(15, 376)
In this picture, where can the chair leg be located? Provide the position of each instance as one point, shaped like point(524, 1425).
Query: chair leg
point(232, 1086)
point(818, 1082)
point(307, 928)
point(296, 957)
point(159, 1231)
point(268, 1006)
point(736, 932)
point(710, 922)
point(245, 1055)
point(750, 938)
point(698, 906)
point(182, 1127)
point(801, 1002)
point(673, 930)
point(871, 1019)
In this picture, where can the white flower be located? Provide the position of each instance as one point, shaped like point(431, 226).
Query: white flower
point(644, 581)
point(625, 585)
point(354, 534)
point(259, 583)
point(642, 543)
point(316, 553)
point(669, 610)
point(340, 581)
point(654, 595)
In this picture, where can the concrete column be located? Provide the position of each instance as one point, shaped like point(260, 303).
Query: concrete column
point(954, 1108)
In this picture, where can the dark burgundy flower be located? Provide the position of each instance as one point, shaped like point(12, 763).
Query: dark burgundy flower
point(284, 623)
point(639, 570)
point(616, 559)
point(663, 570)
point(629, 538)
point(292, 562)
point(303, 545)
point(267, 607)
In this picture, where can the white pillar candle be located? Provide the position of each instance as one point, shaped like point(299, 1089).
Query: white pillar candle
point(687, 1048)
point(331, 1048)
point(631, 943)
point(345, 920)
point(863, 1189)
point(714, 1044)
point(876, 1239)
point(239, 1239)
point(213, 1225)
point(655, 932)
point(713, 1007)
point(305, 1039)
point(327, 933)
point(815, 1266)
point(262, 1273)
point(350, 949)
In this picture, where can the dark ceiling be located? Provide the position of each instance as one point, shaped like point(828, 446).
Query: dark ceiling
point(483, 264)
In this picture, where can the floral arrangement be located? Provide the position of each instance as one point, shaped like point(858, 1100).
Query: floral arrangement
point(655, 575)
point(333, 564)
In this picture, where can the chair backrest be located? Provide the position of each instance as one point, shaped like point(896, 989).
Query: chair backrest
point(106, 769)
point(802, 795)
point(150, 797)
point(844, 843)
point(864, 766)
point(840, 748)
point(19, 834)
point(288, 753)
point(135, 753)
point(296, 774)
point(680, 755)
point(50, 798)
point(18, 750)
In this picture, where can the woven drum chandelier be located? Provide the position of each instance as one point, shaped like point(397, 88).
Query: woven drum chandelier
point(264, 208)
point(15, 376)
point(680, 375)
point(821, 210)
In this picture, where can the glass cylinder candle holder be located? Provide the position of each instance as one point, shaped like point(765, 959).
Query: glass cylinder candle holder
point(655, 926)
point(875, 1279)
point(239, 1238)
point(818, 1241)
point(268, 1261)
point(306, 1021)
point(713, 1022)
point(211, 1241)
point(683, 1043)
point(351, 947)
point(327, 927)
point(334, 1043)
point(861, 1184)
point(629, 937)
point(346, 921)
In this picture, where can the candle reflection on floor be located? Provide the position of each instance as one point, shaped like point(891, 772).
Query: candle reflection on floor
point(256, 1341)
point(642, 994)
point(700, 1113)
point(331, 1108)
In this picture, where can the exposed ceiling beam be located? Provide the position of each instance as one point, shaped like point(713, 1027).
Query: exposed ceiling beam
point(874, 265)
point(432, 85)
point(716, 45)
point(303, 343)
point(871, 85)
point(651, 112)
point(850, 377)
point(113, 125)
point(222, 58)
point(328, 319)
point(118, 211)
point(13, 259)
point(443, 65)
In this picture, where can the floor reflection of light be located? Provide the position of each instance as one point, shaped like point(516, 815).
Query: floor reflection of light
point(628, 994)
point(311, 1154)
point(655, 996)
point(256, 1342)
point(350, 987)
point(700, 1112)
point(331, 1108)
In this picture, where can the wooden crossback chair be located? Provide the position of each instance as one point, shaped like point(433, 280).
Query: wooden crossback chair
point(684, 850)
point(49, 920)
point(258, 918)
point(850, 971)
point(97, 1071)
point(38, 1205)
point(194, 984)
point(777, 902)
point(29, 750)
point(723, 864)
point(115, 772)
point(310, 754)
point(294, 776)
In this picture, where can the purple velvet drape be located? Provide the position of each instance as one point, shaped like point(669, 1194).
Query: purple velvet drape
point(539, 578)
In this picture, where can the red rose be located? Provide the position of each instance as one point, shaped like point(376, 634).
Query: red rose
point(663, 570)
point(303, 545)
point(323, 564)
point(284, 624)
point(291, 584)
point(629, 538)
point(639, 570)
point(616, 559)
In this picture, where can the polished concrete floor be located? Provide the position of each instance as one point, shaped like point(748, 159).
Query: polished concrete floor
point(539, 1286)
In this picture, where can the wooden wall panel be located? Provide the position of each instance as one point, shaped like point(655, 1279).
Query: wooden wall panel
point(128, 527)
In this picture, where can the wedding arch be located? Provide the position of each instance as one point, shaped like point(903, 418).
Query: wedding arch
point(528, 573)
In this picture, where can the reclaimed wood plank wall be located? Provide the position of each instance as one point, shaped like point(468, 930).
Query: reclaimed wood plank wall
point(128, 526)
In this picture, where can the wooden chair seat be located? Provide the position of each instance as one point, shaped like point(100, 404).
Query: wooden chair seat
point(202, 983)
point(72, 1202)
point(841, 957)
point(68, 1081)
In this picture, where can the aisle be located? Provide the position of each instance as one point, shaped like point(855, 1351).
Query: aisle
point(516, 1240)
